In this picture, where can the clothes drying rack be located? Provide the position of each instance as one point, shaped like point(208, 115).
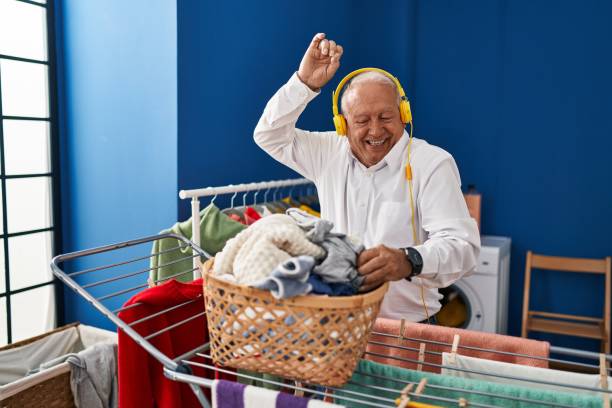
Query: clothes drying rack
point(107, 286)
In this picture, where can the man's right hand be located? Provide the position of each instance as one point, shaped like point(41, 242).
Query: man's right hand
point(320, 63)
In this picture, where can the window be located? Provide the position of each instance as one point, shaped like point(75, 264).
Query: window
point(27, 169)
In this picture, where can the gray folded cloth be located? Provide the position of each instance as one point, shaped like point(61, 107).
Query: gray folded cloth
point(92, 376)
point(289, 278)
point(340, 263)
point(316, 229)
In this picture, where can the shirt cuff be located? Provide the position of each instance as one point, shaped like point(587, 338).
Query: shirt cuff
point(430, 261)
point(296, 87)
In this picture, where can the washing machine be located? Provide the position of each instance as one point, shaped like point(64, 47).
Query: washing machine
point(480, 301)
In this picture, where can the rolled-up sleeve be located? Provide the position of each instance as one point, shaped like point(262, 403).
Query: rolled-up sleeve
point(452, 246)
point(302, 151)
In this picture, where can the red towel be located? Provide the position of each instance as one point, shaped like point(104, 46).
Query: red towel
point(141, 379)
point(491, 341)
point(251, 215)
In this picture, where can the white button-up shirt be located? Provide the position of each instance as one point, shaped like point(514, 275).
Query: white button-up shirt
point(373, 203)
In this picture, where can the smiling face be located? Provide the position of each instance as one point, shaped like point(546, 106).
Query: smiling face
point(373, 120)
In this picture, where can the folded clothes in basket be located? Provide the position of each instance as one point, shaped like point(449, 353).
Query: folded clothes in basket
point(254, 253)
point(341, 251)
point(227, 394)
point(291, 255)
point(295, 277)
point(289, 279)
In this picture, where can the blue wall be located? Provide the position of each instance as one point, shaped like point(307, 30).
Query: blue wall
point(118, 118)
point(518, 92)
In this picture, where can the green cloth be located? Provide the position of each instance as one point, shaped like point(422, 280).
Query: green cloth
point(215, 229)
point(392, 374)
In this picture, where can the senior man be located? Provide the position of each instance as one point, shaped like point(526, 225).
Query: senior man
point(363, 189)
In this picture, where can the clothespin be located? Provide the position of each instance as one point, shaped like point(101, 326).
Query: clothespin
point(296, 392)
point(421, 356)
point(402, 402)
point(603, 378)
point(463, 403)
point(404, 399)
point(421, 387)
point(328, 395)
point(400, 335)
point(453, 355)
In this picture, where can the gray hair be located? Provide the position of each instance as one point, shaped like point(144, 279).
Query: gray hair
point(370, 76)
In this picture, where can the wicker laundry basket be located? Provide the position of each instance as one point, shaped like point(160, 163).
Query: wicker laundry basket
point(316, 339)
point(49, 388)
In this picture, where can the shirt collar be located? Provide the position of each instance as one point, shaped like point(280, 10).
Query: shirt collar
point(393, 159)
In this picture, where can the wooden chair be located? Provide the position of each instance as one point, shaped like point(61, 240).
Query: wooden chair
point(572, 325)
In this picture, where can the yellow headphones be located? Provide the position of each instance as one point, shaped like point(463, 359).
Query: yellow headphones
point(340, 120)
point(405, 116)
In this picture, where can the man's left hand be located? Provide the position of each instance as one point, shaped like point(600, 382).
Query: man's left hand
point(382, 264)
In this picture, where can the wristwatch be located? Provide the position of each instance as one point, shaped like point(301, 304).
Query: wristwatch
point(414, 258)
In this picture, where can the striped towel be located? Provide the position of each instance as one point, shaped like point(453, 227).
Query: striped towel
point(228, 394)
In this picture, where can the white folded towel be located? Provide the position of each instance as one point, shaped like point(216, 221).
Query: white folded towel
point(253, 254)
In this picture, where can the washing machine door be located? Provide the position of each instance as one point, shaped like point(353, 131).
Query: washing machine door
point(461, 307)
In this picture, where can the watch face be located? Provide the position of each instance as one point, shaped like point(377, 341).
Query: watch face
point(415, 259)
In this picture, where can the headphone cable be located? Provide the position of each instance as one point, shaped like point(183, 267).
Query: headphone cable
point(414, 233)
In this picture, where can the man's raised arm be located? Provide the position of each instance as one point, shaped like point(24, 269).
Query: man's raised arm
point(304, 152)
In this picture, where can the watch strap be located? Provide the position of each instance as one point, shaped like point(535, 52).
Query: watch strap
point(416, 261)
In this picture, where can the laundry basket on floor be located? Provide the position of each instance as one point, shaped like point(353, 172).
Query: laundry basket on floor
point(48, 388)
point(316, 339)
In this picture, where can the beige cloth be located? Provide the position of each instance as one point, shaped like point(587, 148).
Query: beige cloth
point(254, 253)
point(519, 371)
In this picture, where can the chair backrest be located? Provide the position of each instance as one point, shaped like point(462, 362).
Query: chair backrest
point(565, 264)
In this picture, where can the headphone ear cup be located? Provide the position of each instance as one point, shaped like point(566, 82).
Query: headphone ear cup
point(340, 125)
point(405, 113)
